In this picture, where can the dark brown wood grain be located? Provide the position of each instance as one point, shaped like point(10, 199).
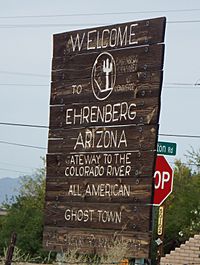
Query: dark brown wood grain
point(96, 241)
point(127, 61)
point(141, 164)
point(146, 32)
point(105, 104)
point(127, 86)
point(126, 190)
point(136, 138)
point(145, 111)
point(119, 216)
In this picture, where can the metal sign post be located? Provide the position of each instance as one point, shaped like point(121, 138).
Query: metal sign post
point(160, 231)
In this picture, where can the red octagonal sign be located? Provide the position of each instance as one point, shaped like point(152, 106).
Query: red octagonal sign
point(163, 180)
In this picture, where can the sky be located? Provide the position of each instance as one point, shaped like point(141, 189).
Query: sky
point(26, 30)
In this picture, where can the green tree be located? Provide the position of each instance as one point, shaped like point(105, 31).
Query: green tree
point(183, 207)
point(25, 216)
point(193, 157)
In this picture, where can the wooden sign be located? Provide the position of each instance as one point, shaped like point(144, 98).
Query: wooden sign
point(137, 163)
point(88, 240)
point(79, 114)
point(81, 66)
point(117, 36)
point(105, 104)
point(137, 85)
point(103, 139)
point(93, 189)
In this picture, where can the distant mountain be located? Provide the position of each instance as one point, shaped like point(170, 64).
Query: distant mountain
point(8, 188)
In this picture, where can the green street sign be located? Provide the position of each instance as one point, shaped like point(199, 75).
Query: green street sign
point(166, 148)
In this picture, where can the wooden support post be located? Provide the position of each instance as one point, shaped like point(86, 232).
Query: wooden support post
point(11, 248)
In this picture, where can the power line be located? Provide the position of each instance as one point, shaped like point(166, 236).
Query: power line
point(24, 172)
point(13, 84)
point(46, 127)
point(44, 148)
point(24, 125)
point(7, 26)
point(179, 135)
point(22, 84)
point(39, 85)
point(10, 164)
point(12, 170)
point(172, 84)
point(191, 86)
point(184, 87)
point(22, 73)
point(23, 145)
point(19, 171)
point(43, 75)
point(183, 21)
point(103, 14)
point(182, 84)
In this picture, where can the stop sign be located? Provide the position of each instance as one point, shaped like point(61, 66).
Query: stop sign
point(163, 180)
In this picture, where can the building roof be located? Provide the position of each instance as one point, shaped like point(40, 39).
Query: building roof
point(3, 212)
